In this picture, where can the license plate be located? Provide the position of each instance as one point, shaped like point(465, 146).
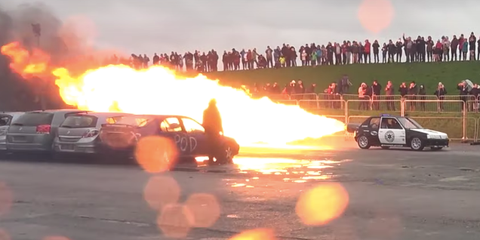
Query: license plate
point(67, 147)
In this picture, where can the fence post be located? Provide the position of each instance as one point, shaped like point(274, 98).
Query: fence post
point(402, 107)
point(477, 125)
point(464, 122)
point(346, 112)
point(343, 101)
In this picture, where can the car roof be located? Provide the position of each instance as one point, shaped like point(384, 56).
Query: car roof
point(12, 113)
point(391, 116)
point(103, 114)
point(57, 111)
point(161, 116)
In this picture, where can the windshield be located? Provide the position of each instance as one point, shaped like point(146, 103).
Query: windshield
point(409, 123)
point(80, 122)
point(34, 119)
point(129, 120)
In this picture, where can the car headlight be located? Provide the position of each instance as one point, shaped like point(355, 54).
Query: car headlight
point(434, 136)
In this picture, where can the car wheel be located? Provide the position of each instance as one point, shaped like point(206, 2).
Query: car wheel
point(416, 144)
point(385, 147)
point(225, 156)
point(363, 142)
point(436, 148)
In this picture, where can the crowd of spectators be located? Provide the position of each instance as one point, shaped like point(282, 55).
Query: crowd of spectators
point(405, 49)
point(372, 94)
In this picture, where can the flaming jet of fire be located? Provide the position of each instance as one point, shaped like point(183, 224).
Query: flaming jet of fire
point(158, 90)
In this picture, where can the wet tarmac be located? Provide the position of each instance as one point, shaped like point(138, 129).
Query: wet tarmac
point(379, 194)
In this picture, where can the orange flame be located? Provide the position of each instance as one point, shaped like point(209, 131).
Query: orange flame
point(24, 62)
point(158, 90)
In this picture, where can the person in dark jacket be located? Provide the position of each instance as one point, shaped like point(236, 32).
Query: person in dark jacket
point(403, 90)
point(454, 48)
point(463, 88)
point(422, 92)
point(440, 93)
point(389, 92)
point(412, 95)
point(212, 122)
point(375, 91)
point(475, 92)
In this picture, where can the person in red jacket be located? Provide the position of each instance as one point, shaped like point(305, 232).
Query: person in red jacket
point(366, 53)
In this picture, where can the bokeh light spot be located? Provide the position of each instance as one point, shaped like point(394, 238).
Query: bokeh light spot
point(175, 221)
point(376, 15)
point(6, 199)
point(156, 154)
point(4, 235)
point(161, 191)
point(322, 204)
point(205, 209)
point(256, 234)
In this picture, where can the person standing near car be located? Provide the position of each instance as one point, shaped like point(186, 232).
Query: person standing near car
point(212, 122)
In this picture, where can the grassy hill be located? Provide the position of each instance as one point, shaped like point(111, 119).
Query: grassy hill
point(449, 73)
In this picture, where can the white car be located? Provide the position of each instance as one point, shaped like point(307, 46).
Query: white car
point(392, 131)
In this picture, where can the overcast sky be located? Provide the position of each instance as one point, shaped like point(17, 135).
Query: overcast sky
point(147, 26)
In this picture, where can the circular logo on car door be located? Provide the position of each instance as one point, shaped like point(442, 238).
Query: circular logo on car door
point(389, 136)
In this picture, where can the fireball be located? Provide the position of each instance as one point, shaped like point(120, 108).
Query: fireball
point(158, 90)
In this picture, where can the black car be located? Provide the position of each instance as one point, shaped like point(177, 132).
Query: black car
point(188, 135)
point(393, 131)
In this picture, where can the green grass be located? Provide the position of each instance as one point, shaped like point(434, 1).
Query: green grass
point(429, 74)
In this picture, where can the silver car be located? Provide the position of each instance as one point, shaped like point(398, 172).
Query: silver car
point(35, 131)
point(79, 132)
point(6, 118)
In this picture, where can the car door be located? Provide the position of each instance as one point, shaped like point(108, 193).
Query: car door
point(391, 132)
point(373, 127)
point(196, 137)
point(171, 127)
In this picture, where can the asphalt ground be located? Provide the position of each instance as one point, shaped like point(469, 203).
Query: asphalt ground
point(377, 194)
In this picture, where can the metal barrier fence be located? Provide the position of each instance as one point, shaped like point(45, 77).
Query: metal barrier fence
point(458, 118)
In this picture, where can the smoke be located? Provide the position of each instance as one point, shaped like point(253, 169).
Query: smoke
point(57, 40)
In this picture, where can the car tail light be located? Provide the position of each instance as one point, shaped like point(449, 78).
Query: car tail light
point(44, 129)
point(92, 133)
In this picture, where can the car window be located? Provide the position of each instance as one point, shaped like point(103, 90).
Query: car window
point(129, 120)
point(374, 123)
point(34, 119)
point(4, 120)
point(171, 125)
point(81, 121)
point(409, 123)
point(192, 125)
point(390, 123)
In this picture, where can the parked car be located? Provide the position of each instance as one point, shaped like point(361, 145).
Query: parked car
point(35, 131)
point(78, 134)
point(6, 118)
